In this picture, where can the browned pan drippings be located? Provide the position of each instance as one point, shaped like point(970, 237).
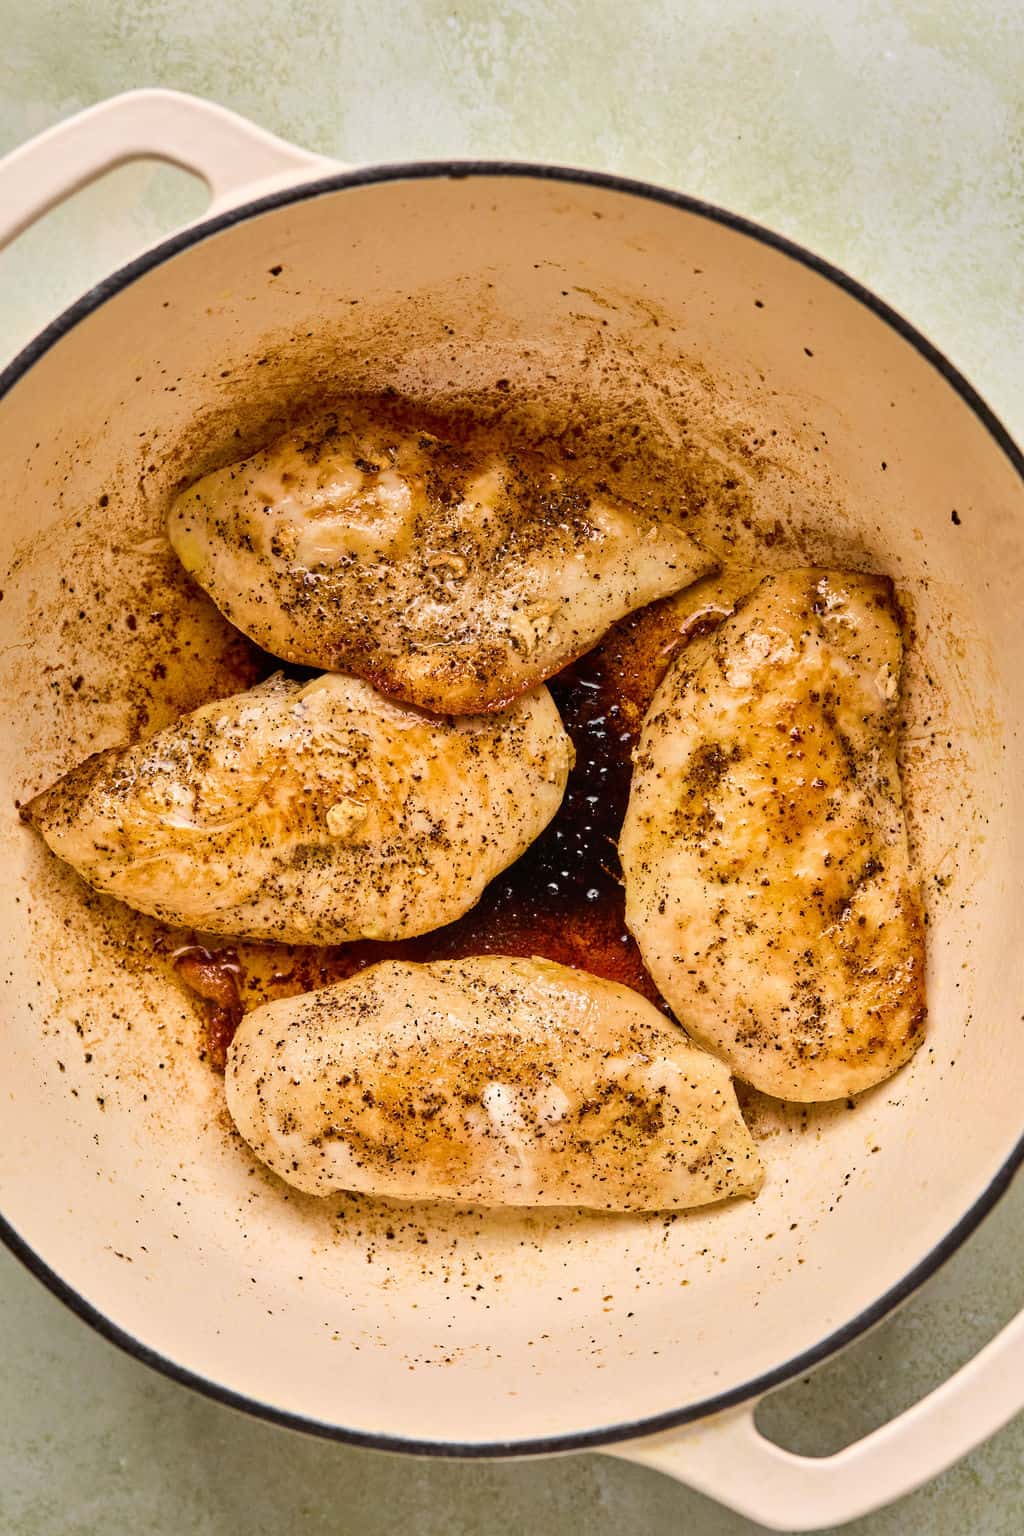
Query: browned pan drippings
point(562, 899)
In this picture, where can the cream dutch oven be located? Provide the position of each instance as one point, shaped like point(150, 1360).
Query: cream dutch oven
point(504, 1334)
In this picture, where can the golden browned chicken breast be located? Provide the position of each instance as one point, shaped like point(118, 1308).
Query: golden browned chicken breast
point(311, 812)
point(765, 849)
point(494, 1080)
point(453, 578)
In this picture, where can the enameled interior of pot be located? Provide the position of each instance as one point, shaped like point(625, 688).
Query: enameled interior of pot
point(787, 408)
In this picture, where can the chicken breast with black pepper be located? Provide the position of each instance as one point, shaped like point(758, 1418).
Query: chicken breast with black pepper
point(311, 812)
point(455, 578)
point(764, 849)
point(493, 1080)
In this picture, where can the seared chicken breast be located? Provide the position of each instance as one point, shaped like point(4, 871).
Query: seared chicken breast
point(493, 1080)
point(764, 848)
point(455, 579)
point(311, 812)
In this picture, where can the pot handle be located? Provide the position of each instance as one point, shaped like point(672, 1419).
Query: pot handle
point(236, 159)
point(731, 1461)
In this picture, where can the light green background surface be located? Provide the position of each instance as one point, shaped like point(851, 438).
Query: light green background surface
point(887, 135)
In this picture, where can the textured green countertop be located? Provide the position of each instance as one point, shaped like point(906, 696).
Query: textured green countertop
point(887, 135)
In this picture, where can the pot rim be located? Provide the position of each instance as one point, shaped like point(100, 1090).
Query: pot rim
point(839, 1338)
